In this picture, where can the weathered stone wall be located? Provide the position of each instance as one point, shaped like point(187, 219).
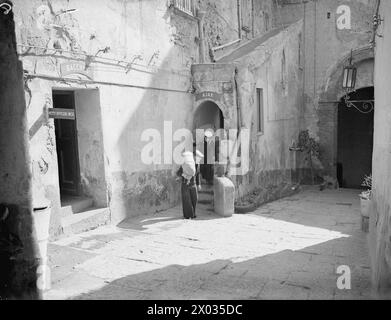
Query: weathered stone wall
point(162, 45)
point(221, 22)
point(217, 78)
point(90, 146)
point(271, 63)
point(380, 219)
point(273, 67)
point(326, 50)
point(123, 49)
point(18, 259)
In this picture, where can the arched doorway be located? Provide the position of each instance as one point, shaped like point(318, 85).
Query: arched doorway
point(208, 117)
point(355, 139)
point(329, 104)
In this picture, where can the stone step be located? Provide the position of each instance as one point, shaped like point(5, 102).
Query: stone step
point(206, 183)
point(206, 190)
point(209, 202)
point(85, 221)
point(73, 205)
point(205, 198)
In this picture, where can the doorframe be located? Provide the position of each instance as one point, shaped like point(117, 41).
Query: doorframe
point(76, 138)
point(222, 119)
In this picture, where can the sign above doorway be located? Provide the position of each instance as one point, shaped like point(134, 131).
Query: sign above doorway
point(208, 95)
point(58, 113)
point(69, 68)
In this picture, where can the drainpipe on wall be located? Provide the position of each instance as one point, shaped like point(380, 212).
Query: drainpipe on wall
point(252, 19)
point(238, 109)
point(239, 10)
point(200, 16)
point(239, 120)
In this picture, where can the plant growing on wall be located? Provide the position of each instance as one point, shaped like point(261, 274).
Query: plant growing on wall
point(311, 149)
point(367, 194)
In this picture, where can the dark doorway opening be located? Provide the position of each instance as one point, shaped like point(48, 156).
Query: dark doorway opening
point(210, 118)
point(67, 146)
point(355, 140)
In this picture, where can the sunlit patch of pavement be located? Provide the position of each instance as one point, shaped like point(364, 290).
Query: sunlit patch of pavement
point(288, 249)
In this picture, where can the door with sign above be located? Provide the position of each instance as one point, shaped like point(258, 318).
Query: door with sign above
point(67, 148)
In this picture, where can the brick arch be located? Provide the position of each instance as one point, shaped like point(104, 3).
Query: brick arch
point(332, 87)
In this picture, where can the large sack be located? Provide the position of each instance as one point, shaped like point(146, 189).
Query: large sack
point(189, 169)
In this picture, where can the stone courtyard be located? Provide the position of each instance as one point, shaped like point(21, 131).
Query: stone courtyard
point(288, 249)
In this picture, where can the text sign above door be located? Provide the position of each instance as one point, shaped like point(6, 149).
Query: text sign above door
point(57, 113)
point(208, 95)
point(69, 68)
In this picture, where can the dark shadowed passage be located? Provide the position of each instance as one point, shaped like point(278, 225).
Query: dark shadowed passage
point(355, 140)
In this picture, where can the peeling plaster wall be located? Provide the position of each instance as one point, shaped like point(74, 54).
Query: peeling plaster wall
point(218, 78)
point(90, 146)
point(162, 44)
point(221, 24)
point(221, 21)
point(380, 219)
point(273, 67)
point(326, 47)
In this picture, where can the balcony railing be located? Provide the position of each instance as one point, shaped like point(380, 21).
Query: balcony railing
point(186, 6)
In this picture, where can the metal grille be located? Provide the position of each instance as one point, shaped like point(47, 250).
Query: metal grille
point(186, 6)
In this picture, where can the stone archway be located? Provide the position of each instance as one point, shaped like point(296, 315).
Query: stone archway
point(209, 117)
point(330, 96)
point(363, 59)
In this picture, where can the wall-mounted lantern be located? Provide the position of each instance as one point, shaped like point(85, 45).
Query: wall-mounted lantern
point(349, 75)
point(349, 84)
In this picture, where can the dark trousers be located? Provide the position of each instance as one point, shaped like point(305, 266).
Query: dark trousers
point(189, 200)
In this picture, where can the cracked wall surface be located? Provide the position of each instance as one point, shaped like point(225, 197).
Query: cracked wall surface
point(273, 166)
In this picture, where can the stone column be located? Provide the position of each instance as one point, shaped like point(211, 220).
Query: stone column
point(18, 279)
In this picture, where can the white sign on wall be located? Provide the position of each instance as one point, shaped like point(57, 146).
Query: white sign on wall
point(344, 20)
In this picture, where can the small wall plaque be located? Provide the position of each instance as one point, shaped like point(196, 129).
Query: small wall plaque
point(208, 95)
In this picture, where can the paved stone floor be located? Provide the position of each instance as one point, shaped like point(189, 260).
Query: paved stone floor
point(288, 249)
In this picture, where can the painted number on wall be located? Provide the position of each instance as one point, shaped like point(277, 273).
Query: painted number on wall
point(344, 21)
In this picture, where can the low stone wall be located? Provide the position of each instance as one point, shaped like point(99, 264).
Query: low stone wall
point(271, 185)
point(143, 192)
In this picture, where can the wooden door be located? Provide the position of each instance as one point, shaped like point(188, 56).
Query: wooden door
point(67, 148)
